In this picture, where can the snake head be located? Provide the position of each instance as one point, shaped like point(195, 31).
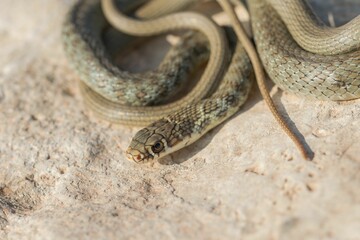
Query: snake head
point(153, 142)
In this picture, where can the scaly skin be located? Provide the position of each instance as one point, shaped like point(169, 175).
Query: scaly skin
point(334, 76)
point(112, 85)
point(311, 75)
point(184, 127)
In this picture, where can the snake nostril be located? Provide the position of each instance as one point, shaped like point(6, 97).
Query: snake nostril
point(138, 158)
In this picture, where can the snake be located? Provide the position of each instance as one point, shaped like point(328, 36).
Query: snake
point(122, 88)
point(292, 62)
point(331, 73)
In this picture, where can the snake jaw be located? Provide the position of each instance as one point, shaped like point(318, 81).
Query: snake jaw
point(145, 152)
point(137, 156)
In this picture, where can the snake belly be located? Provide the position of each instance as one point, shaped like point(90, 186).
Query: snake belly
point(335, 76)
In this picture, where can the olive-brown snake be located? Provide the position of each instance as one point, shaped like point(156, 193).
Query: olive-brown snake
point(329, 77)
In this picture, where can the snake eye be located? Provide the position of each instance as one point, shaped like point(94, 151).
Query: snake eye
point(157, 147)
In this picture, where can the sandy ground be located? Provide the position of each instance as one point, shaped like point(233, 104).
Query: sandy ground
point(63, 174)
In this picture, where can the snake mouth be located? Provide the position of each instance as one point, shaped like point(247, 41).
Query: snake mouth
point(137, 157)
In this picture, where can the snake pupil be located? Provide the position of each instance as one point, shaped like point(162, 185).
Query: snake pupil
point(157, 147)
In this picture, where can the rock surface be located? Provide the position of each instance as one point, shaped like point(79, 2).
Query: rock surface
point(63, 174)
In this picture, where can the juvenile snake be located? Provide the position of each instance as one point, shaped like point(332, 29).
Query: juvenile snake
point(335, 77)
point(109, 90)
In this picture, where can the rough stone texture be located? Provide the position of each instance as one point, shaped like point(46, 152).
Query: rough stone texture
point(63, 174)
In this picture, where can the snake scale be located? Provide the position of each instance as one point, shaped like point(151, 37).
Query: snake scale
point(331, 72)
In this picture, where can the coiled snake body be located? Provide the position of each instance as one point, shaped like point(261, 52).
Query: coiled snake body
point(108, 91)
point(335, 76)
